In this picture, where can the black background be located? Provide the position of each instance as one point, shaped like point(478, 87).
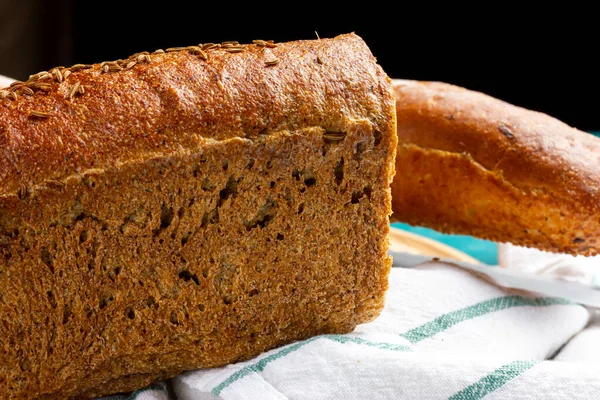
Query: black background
point(541, 58)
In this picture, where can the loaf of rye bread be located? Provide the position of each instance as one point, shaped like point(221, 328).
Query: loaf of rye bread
point(469, 163)
point(190, 208)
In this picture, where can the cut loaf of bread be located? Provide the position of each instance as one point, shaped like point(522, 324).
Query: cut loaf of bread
point(187, 209)
point(469, 163)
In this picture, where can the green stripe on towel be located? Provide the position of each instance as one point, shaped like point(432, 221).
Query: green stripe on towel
point(450, 319)
point(260, 365)
point(493, 381)
point(357, 340)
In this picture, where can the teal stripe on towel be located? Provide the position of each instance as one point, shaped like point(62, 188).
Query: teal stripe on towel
point(450, 319)
point(261, 364)
point(493, 381)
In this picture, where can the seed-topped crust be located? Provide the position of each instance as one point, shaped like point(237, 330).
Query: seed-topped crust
point(58, 73)
point(97, 115)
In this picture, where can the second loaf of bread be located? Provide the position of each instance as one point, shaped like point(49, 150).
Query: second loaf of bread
point(469, 163)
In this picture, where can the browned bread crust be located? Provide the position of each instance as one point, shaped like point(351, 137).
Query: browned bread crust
point(188, 209)
point(468, 163)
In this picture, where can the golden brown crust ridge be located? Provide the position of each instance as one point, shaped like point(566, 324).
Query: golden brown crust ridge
point(101, 115)
point(502, 172)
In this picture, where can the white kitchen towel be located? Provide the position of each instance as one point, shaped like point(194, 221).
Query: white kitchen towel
point(157, 391)
point(584, 348)
point(560, 266)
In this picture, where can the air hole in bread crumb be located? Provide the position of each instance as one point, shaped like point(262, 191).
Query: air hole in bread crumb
point(114, 273)
point(310, 181)
point(250, 163)
point(24, 364)
point(201, 307)
point(105, 300)
point(187, 276)
point(296, 174)
point(173, 319)
point(47, 258)
point(196, 171)
point(103, 303)
point(265, 215)
point(166, 216)
point(88, 311)
point(211, 217)
point(130, 313)
point(280, 237)
point(309, 178)
point(206, 185)
point(287, 196)
point(185, 238)
point(83, 236)
point(51, 299)
point(66, 314)
point(230, 189)
point(360, 148)
point(253, 292)
point(90, 181)
point(227, 300)
point(338, 171)
point(205, 272)
point(225, 165)
point(151, 302)
point(356, 196)
point(272, 184)
point(376, 138)
point(300, 208)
